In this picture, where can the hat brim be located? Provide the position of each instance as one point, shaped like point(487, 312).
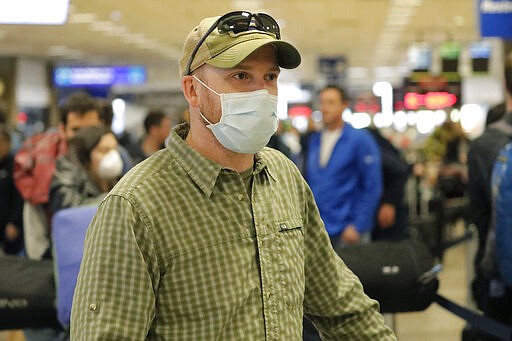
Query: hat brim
point(287, 56)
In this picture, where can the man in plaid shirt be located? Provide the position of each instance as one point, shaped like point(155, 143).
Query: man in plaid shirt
point(216, 237)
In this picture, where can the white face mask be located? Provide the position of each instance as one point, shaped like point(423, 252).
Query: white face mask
point(248, 121)
point(110, 166)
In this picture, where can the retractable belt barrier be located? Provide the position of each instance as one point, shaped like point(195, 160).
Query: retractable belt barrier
point(476, 320)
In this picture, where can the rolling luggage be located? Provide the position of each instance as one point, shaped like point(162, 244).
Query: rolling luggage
point(69, 227)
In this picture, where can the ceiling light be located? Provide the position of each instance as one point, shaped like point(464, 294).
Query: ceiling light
point(393, 21)
point(148, 44)
point(57, 50)
point(102, 26)
point(402, 11)
point(82, 18)
point(133, 38)
point(116, 31)
point(407, 2)
point(115, 15)
point(74, 54)
point(49, 12)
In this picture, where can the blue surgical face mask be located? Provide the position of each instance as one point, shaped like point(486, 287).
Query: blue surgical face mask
point(248, 120)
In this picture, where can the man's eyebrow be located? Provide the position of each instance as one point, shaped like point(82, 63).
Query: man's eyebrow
point(247, 67)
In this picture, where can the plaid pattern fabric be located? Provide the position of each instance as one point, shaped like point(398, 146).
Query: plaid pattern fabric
point(179, 251)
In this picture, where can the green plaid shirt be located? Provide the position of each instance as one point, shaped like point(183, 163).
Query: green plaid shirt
point(179, 251)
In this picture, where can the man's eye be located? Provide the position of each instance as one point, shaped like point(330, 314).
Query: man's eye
point(241, 75)
point(272, 77)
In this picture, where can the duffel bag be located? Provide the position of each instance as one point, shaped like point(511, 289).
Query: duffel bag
point(27, 293)
point(401, 275)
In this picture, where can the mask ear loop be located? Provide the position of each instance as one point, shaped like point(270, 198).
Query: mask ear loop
point(206, 86)
point(215, 92)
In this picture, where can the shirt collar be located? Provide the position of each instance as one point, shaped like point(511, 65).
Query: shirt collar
point(202, 171)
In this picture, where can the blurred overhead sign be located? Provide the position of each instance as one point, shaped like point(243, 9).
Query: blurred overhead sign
point(334, 68)
point(99, 76)
point(430, 100)
point(495, 18)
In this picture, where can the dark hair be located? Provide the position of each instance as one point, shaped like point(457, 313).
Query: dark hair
point(79, 103)
point(508, 73)
point(495, 113)
point(84, 141)
point(4, 133)
point(3, 114)
point(153, 118)
point(339, 89)
point(106, 112)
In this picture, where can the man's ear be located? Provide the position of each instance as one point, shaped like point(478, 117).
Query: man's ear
point(189, 91)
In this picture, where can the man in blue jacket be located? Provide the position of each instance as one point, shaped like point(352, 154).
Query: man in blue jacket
point(343, 169)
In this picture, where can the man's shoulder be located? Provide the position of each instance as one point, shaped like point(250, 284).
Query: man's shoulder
point(277, 162)
point(490, 139)
point(360, 137)
point(144, 173)
point(273, 156)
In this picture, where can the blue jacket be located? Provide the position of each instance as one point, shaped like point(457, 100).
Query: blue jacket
point(348, 189)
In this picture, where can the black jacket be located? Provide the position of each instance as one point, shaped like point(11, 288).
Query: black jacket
point(71, 186)
point(11, 204)
point(395, 172)
point(481, 156)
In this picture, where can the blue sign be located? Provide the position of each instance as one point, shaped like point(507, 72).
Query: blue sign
point(495, 18)
point(99, 75)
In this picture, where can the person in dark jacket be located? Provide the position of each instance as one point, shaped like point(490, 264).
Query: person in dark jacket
point(157, 126)
point(490, 294)
point(11, 203)
point(391, 222)
point(88, 171)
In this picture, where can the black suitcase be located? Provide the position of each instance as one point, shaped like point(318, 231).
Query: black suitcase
point(401, 275)
point(27, 293)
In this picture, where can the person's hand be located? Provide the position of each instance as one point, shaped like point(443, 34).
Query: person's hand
point(386, 216)
point(350, 235)
point(11, 232)
point(418, 170)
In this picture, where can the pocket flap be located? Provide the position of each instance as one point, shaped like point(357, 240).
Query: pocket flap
point(289, 224)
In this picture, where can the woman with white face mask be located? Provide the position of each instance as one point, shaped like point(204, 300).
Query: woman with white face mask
point(88, 171)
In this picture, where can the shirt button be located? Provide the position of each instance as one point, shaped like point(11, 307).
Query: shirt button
point(283, 226)
point(93, 307)
point(240, 197)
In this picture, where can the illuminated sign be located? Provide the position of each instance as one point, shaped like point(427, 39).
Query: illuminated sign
point(300, 110)
point(99, 75)
point(495, 17)
point(430, 100)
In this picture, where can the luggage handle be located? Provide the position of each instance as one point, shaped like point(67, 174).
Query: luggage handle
point(430, 274)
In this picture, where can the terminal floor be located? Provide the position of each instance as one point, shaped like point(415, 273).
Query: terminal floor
point(432, 324)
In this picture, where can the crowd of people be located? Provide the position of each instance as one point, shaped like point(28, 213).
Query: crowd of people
point(218, 207)
point(74, 164)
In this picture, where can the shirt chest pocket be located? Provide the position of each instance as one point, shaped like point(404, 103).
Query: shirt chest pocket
point(291, 260)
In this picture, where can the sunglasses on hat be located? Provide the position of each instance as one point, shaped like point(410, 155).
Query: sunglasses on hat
point(236, 22)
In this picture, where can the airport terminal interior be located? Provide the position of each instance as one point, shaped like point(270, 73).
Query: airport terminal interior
point(426, 75)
